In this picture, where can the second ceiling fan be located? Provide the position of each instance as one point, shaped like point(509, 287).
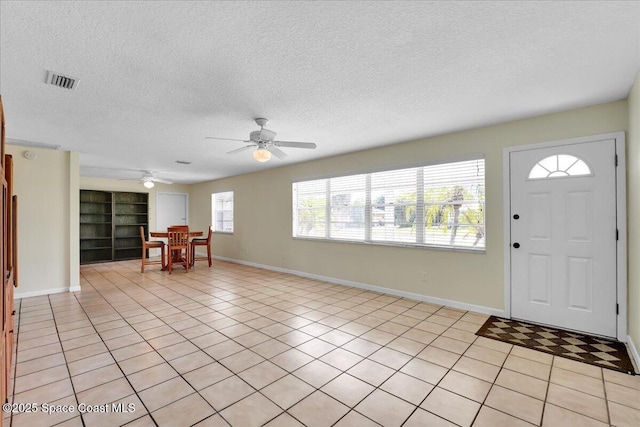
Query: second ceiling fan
point(264, 142)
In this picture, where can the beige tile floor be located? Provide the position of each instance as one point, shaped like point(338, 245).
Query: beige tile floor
point(235, 345)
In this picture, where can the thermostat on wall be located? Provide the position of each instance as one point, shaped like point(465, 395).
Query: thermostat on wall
point(29, 155)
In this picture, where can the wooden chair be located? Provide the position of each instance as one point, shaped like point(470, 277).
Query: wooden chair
point(150, 244)
point(177, 240)
point(201, 242)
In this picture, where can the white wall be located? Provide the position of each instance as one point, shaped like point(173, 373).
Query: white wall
point(45, 252)
point(263, 212)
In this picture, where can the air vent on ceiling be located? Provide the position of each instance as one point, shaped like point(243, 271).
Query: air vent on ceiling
point(62, 81)
point(183, 162)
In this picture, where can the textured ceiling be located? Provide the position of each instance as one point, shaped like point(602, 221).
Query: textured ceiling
point(157, 77)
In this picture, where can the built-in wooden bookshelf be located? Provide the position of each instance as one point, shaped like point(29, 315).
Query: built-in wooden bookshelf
point(109, 225)
point(96, 236)
point(131, 211)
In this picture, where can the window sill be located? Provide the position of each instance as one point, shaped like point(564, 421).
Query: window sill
point(396, 244)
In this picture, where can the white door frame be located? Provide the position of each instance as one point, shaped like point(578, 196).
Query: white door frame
point(621, 220)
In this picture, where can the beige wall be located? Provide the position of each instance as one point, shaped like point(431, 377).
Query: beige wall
point(48, 217)
point(74, 221)
point(263, 209)
point(44, 186)
point(633, 212)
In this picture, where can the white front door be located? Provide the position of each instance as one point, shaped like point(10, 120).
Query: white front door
point(563, 236)
point(171, 210)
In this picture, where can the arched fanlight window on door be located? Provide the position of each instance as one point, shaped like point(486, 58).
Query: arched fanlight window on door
point(559, 166)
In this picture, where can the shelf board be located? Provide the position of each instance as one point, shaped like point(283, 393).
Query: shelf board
point(99, 215)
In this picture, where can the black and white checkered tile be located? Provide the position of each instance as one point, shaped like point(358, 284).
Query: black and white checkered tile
point(584, 348)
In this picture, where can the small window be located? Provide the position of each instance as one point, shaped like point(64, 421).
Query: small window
point(559, 166)
point(222, 212)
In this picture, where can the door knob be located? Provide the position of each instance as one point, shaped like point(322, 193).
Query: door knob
point(516, 245)
point(516, 216)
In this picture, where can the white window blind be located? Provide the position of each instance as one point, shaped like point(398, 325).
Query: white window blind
point(222, 211)
point(437, 205)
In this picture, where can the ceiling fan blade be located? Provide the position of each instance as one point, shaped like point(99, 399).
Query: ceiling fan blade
point(241, 149)
point(295, 144)
point(226, 139)
point(278, 152)
point(161, 181)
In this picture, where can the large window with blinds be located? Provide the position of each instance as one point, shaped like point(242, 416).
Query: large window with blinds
point(438, 205)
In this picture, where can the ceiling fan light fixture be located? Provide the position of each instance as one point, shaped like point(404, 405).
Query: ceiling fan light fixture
point(262, 155)
point(265, 143)
point(148, 184)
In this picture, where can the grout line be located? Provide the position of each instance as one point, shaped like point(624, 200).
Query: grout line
point(75, 395)
point(16, 328)
point(606, 401)
point(117, 364)
point(244, 286)
point(300, 344)
point(384, 321)
point(546, 393)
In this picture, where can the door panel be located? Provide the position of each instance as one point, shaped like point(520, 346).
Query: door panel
point(580, 283)
point(540, 211)
point(171, 210)
point(579, 219)
point(539, 283)
point(563, 267)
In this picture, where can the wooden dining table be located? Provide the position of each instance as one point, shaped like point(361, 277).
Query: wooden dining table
point(165, 234)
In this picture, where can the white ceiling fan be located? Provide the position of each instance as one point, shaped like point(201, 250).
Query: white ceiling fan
point(264, 142)
point(148, 179)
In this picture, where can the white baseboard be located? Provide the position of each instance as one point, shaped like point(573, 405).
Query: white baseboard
point(19, 295)
point(634, 352)
point(390, 291)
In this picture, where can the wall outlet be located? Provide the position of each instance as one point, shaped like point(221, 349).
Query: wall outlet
point(423, 276)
